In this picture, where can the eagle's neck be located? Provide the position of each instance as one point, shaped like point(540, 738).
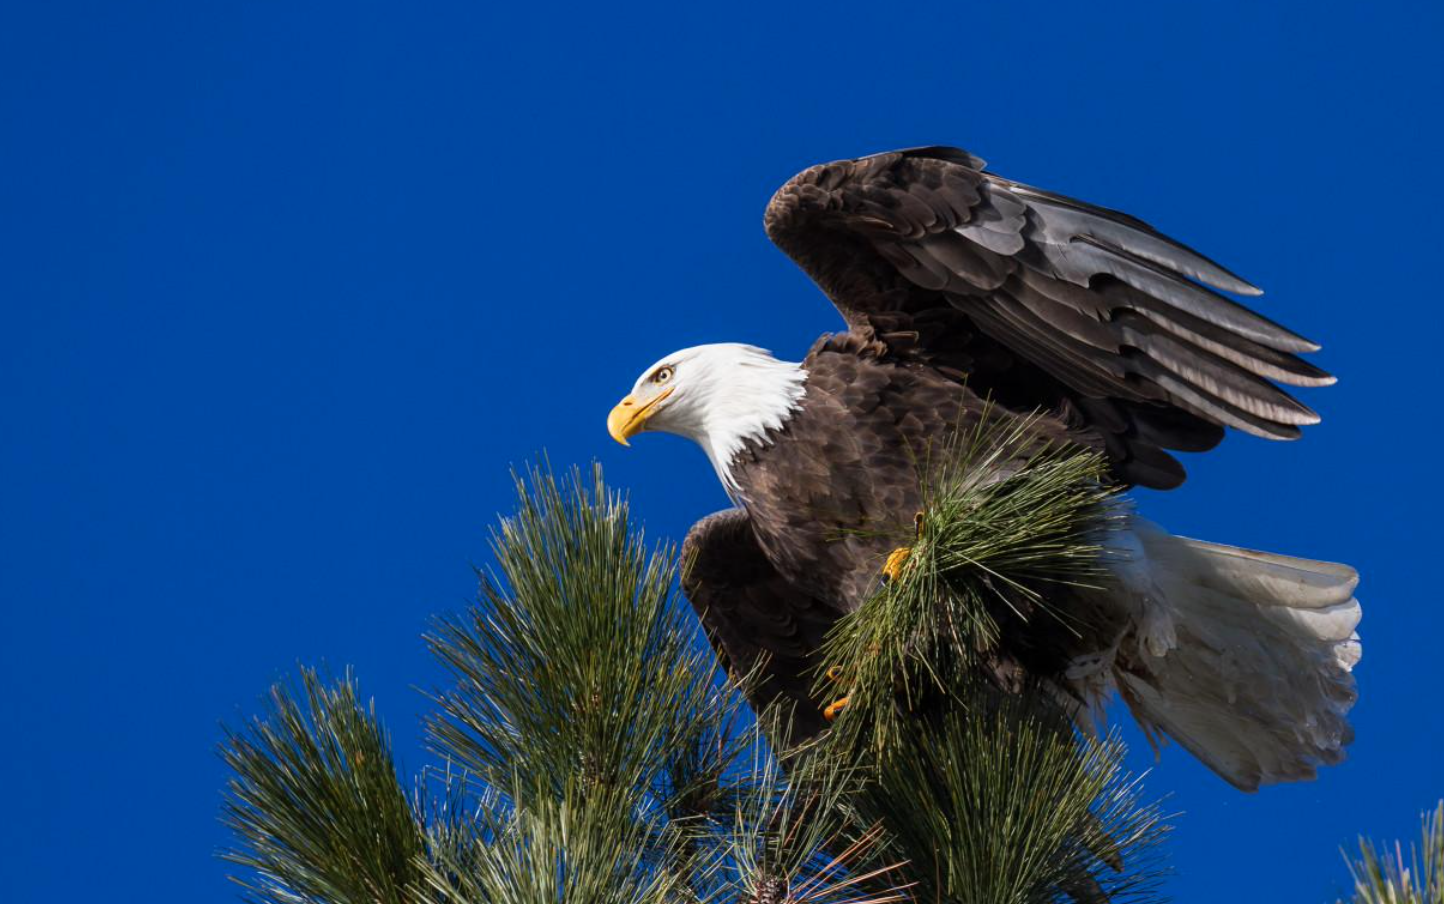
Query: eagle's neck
point(757, 399)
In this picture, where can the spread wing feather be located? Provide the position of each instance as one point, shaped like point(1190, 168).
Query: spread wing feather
point(760, 625)
point(1045, 301)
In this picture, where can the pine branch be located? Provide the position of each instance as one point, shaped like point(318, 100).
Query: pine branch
point(585, 847)
point(997, 802)
point(594, 755)
point(583, 688)
point(980, 780)
point(797, 839)
point(996, 539)
point(1382, 876)
point(578, 660)
point(315, 802)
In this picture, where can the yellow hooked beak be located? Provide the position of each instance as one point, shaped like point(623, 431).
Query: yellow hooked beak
point(629, 418)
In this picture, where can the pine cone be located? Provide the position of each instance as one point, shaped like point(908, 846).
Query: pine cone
point(770, 891)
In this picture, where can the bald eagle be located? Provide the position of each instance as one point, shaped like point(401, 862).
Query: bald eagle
point(961, 288)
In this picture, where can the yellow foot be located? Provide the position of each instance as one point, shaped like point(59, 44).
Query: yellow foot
point(833, 708)
point(893, 567)
point(833, 673)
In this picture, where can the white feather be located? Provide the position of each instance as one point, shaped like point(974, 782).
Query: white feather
point(1242, 657)
point(724, 396)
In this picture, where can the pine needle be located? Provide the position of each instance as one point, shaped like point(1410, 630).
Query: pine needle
point(315, 802)
point(985, 790)
point(1382, 876)
point(996, 536)
point(591, 751)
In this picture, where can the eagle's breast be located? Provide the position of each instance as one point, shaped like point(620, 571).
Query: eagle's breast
point(837, 485)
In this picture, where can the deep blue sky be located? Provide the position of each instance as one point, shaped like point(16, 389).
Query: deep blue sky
point(285, 288)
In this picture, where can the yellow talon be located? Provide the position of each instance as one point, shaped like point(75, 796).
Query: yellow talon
point(893, 567)
point(834, 673)
point(834, 708)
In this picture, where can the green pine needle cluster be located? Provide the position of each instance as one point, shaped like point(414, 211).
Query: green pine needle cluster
point(315, 803)
point(996, 801)
point(588, 750)
point(998, 530)
point(1384, 876)
point(988, 793)
point(548, 667)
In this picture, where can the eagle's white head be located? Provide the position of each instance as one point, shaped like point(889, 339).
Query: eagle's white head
point(719, 396)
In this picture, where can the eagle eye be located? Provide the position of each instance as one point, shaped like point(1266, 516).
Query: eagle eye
point(662, 375)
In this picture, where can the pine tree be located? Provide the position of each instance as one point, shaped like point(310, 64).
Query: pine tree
point(588, 749)
point(1385, 876)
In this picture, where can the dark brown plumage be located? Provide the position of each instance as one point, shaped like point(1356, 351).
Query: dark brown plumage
point(959, 286)
point(1045, 302)
point(827, 497)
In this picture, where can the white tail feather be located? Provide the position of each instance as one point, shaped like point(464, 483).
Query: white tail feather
point(1243, 657)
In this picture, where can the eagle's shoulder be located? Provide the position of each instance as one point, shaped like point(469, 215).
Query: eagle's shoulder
point(861, 344)
point(863, 372)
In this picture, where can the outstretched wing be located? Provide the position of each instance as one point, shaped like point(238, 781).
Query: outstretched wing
point(1045, 301)
point(753, 618)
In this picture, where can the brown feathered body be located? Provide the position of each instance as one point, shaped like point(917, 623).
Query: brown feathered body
point(825, 499)
point(958, 285)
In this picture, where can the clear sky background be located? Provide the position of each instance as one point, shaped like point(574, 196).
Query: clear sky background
point(286, 288)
